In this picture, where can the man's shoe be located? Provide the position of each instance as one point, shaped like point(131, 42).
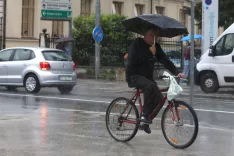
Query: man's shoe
point(145, 120)
point(147, 129)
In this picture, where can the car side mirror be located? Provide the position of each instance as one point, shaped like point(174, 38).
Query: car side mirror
point(232, 58)
point(212, 51)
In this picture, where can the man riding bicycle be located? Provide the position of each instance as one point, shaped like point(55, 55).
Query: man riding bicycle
point(143, 54)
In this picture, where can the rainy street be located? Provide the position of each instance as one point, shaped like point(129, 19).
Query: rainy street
point(49, 123)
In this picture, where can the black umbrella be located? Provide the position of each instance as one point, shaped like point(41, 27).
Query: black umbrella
point(168, 27)
point(64, 39)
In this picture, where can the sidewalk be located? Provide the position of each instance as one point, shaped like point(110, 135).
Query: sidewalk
point(121, 86)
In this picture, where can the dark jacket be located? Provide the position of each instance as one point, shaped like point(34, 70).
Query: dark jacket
point(141, 61)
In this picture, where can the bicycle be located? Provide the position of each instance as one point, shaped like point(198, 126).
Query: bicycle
point(173, 107)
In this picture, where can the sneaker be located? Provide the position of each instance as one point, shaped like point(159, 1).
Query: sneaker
point(147, 129)
point(145, 120)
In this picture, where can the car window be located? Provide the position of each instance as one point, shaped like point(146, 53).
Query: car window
point(5, 55)
point(23, 54)
point(218, 49)
point(225, 45)
point(228, 45)
point(56, 56)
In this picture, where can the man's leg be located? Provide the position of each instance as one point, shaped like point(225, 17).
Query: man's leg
point(151, 98)
point(156, 98)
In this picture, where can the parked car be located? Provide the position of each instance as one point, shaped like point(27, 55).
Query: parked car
point(217, 63)
point(34, 68)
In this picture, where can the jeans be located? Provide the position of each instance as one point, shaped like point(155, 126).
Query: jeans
point(151, 98)
point(186, 69)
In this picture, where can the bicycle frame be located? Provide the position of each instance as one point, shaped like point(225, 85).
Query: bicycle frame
point(136, 97)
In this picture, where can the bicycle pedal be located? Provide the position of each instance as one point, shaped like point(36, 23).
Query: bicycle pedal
point(142, 126)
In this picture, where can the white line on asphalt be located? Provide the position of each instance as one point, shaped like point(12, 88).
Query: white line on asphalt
point(97, 101)
point(50, 97)
point(103, 113)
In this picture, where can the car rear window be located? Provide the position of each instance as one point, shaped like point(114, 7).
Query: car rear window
point(56, 56)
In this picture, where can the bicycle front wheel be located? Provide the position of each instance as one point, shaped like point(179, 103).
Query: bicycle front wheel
point(179, 124)
point(121, 119)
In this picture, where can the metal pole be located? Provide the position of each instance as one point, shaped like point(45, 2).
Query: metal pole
point(97, 46)
point(4, 24)
point(151, 4)
point(192, 54)
point(70, 28)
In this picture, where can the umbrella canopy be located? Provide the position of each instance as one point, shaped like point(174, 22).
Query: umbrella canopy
point(64, 39)
point(168, 27)
point(196, 36)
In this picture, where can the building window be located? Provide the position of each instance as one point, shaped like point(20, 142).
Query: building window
point(27, 18)
point(57, 28)
point(182, 16)
point(160, 10)
point(139, 8)
point(85, 7)
point(117, 8)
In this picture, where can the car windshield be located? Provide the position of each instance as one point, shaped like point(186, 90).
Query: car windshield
point(55, 56)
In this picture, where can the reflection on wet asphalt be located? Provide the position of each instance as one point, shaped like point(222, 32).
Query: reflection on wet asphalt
point(38, 127)
point(52, 124)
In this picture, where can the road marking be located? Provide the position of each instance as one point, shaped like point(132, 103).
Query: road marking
point(158, 119)
point(50, 97)
point(97, 101)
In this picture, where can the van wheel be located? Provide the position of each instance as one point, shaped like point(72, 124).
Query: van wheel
point(209, 82)
point(31, 84)
point(65, 89)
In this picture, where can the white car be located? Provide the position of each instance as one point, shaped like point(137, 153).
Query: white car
point(34, 68)
point(216, 67)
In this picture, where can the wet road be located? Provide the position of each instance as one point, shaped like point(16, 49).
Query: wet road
point(51, 124)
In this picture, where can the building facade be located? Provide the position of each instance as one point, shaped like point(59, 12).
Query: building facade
point(23, 23)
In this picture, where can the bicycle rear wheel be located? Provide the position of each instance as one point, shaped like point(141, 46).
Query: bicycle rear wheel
point(182, 131)
point(121, 119)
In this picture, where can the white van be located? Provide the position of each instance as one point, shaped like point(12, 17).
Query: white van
point(216, 67)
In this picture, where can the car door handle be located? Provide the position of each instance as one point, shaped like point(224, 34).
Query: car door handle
point(24, 65)
point(4, 65)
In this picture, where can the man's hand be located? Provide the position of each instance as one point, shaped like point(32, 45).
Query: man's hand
point(181, 75)
point(153, 49)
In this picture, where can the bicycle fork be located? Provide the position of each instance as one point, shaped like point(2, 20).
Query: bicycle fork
point(172, 112)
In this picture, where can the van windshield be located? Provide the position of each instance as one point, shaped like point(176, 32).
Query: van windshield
point(55, 55)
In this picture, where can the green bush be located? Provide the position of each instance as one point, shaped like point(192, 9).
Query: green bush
point(112, 72)
point(90, 71)
point(113, 46)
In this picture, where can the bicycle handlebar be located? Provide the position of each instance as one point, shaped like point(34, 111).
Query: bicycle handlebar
point(163, 76)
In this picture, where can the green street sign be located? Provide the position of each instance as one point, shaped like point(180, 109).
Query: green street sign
point(56, 9)
point(54, 14)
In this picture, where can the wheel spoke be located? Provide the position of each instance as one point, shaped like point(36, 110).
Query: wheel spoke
point(179, 136)
point(122, 127)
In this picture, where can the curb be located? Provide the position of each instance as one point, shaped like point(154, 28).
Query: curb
point(231, 97)
point(210, 96)
point(162, 85)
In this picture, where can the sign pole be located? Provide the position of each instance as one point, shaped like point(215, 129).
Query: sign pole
point(70, 28)
point(4, 23)
point(192, 55)
point(97, 45)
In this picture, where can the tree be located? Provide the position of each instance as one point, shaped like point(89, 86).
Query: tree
point(114, 43)
point(226, 13)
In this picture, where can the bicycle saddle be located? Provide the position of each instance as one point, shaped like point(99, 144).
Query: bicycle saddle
point(133, 86)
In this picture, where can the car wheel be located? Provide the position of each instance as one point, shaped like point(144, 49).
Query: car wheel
point(65, 89)
point(209, 82)
point(11, 88)
point(31, 84)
